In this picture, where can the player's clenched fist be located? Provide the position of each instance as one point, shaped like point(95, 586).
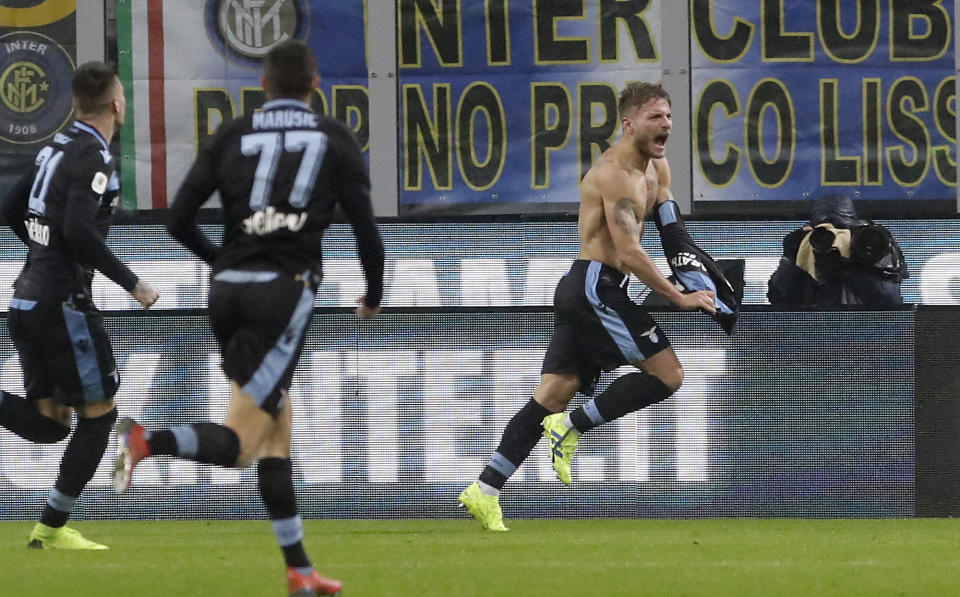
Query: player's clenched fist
point(145, 294)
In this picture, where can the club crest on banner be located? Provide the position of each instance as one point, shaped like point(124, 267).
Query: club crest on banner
point(35, 100)
point(245, 30)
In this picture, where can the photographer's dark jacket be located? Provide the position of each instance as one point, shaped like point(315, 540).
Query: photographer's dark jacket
point(836, 265)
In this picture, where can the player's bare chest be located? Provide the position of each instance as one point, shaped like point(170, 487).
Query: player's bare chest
point(647, 188)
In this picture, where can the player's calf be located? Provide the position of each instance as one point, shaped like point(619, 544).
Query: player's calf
point(624, 395)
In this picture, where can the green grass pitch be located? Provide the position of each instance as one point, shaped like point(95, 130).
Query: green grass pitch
point(455, 558)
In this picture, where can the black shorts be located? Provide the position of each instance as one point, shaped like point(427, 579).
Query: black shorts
point(64, 351)
point(260, 320)
point(597, 326)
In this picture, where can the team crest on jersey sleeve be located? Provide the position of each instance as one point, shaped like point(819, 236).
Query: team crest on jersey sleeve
point(99, 184)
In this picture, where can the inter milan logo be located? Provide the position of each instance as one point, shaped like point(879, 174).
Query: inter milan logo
point(23, 87)
point(34, 87)
point(246, 30)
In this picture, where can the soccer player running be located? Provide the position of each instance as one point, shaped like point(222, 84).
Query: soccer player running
point(596, 325)
point(280, 173)
point(61, 209)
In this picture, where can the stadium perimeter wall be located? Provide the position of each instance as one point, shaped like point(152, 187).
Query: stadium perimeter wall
point(800, 414)
point(490, 263)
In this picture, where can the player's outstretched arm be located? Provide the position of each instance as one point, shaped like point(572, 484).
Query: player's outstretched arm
point(80, 234)
point(701, 299)
point(354, 199)
point(623, 205)
point(196, 188)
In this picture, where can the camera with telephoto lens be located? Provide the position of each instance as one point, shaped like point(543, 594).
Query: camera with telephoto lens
point(829, 261)
point(821, 240)
point(872, 245)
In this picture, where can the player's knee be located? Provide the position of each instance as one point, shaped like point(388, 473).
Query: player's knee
point(249, 448)
point(672, 378)
point(246, 457)
point(60, 420)
point(93, 410)
point(99, 425)
point(555, 391)
point(58, 413)
point(219, 444)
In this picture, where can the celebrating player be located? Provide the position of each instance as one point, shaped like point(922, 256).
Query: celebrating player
point(61, 210)
point(280, 172)
point(596, 325)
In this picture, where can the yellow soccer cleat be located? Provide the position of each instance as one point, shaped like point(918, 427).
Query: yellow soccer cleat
point(485, 508)
point(44, 537)
point(563, 443)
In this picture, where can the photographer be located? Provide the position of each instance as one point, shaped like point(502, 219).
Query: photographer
point(838, 259)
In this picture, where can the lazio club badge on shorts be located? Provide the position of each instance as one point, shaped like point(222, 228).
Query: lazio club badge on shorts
point(35, 98)
point(245, 31)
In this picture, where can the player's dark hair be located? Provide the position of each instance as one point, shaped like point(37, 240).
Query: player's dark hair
point(289, 69)
point(636, 94)
point(92, 87)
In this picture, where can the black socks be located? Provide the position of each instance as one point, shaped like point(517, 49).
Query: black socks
point(624, 395)
point(79, 463)
point(275, 480)
point(209, 443)
point(519, 437)
point(21, 416)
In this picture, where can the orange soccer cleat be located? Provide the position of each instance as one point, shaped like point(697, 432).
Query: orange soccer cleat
point(131, 448)
point(302, 585)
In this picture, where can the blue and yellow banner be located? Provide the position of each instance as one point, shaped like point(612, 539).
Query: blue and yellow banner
point(795, 99)
point(502, 106)
point(510, 102)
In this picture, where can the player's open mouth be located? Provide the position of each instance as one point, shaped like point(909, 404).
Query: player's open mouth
point(661, 140)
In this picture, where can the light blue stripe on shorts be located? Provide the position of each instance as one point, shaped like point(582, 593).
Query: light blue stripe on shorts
point(271, 369)
point(609, 318)
point(85, 353)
